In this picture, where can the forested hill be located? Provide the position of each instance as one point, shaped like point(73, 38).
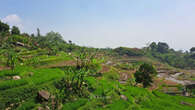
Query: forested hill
point(162, 52)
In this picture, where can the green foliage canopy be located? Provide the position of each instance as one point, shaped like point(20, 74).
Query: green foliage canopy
point(145, 74)
point(15, 30)
point(192, 49)
point(4, 27)
point(163, 47)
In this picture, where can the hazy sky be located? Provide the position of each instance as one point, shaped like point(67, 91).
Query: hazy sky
point(107, 23)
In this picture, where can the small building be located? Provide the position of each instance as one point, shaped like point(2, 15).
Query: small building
point(188, 89)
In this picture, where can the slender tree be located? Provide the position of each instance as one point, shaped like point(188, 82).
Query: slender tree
point(38, 32)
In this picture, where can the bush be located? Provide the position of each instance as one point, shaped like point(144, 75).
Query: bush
point(145, 74)
point(89, 61)
point(73, 84)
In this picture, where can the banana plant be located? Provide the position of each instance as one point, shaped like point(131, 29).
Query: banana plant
point(12, 60)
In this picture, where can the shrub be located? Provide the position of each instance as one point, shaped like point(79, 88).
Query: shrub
point(12, 59)
point(89, 61)
point(145, 74)
point(73, 84)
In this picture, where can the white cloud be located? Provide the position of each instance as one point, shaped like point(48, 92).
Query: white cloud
point(13, 20)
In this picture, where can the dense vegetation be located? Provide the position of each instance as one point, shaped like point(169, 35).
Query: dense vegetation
point(163, 53)
point(174, 58)
point(75, 78)
point(145, 74)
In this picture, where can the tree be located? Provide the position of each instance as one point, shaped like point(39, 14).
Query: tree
point(32, 35)
point(50, 39)
point(70, 42)
point(70, 46)
point(15, 30)
point(4, 27)
point(38, 32)
point(54, 37)
point(192, 50)
point(153, 46)
point(145, 74)
point(163, 47)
